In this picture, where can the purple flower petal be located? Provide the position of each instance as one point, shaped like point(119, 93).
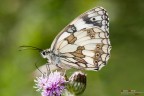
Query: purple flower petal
point(52, 85)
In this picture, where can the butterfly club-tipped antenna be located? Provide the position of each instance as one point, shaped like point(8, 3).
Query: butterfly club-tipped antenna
point(29, 48)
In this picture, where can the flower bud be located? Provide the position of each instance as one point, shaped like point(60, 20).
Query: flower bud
point(77, 83)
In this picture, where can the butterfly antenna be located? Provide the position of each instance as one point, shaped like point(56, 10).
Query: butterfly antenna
point(39, 69)
point(29, 47)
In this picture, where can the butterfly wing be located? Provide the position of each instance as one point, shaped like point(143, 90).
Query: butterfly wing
point(84, 43)
point(95, 17)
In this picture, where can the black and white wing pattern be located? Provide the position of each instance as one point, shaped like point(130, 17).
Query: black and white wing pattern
point(84, 43)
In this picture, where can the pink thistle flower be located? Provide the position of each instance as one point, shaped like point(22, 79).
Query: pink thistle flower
point(51, 85)
point(40, 82)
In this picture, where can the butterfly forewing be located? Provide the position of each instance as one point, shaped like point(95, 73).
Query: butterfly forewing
point(95, 17)
point(84, 43)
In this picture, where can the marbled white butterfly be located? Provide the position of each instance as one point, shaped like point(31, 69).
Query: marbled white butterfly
point(83, 44)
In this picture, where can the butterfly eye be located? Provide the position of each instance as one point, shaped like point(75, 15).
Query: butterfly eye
point(43, 53)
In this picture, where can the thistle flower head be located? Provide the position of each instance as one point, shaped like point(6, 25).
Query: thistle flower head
point(51, 85)
point(55, 84)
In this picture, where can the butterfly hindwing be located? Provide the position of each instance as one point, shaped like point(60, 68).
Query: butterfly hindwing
point(90, 50)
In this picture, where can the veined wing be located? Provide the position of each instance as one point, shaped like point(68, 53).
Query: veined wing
point(85, 49)
point(84, 43)
point(94, 17)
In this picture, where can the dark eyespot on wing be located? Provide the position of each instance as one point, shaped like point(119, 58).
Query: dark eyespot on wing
point(87, 20)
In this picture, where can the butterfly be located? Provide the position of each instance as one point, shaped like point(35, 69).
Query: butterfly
point(82, 44)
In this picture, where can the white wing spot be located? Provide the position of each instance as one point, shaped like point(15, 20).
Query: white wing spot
point(63, 44)
point(101, 12)
point(88, 53)
point(98, 18)
point(89, 60)
point(68, 48)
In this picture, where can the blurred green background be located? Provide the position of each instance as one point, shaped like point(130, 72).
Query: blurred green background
point(37, 22)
